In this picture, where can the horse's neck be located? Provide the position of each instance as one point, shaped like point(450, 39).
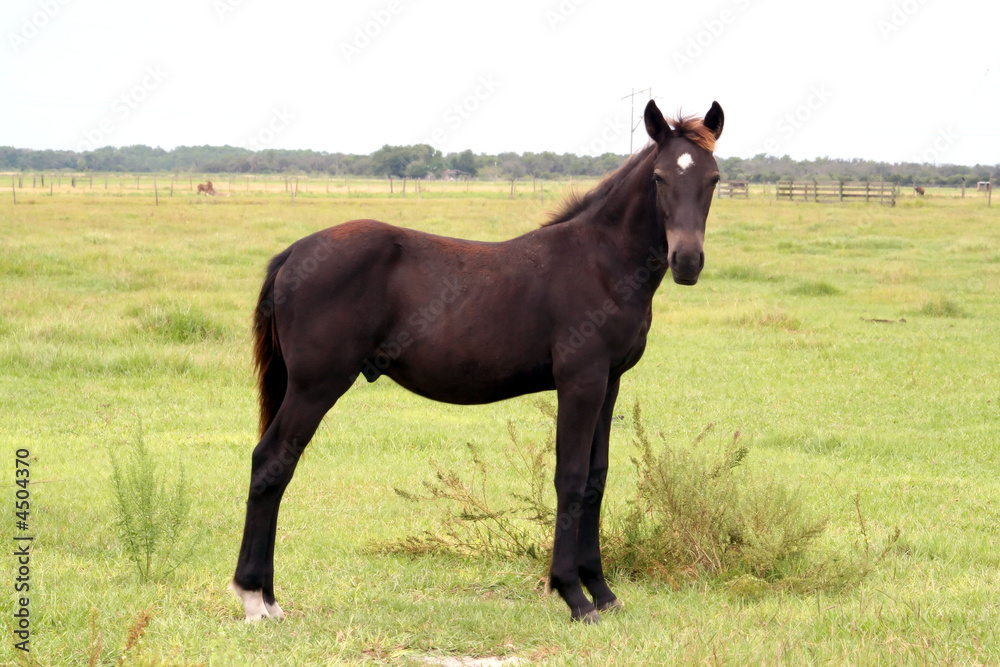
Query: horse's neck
point(638, 235)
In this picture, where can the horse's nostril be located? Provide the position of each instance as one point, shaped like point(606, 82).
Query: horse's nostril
point(672, 259)
point(701, 261)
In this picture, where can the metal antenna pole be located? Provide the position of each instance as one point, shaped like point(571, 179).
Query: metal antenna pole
point(631, 118)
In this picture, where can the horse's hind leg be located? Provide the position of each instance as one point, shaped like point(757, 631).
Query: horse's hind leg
point(273, 463)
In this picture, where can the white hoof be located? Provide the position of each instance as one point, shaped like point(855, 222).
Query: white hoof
point(254, 606)
point(274, 611)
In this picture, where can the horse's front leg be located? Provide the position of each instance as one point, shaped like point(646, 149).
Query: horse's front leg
point(591, 570)
point(581, 395)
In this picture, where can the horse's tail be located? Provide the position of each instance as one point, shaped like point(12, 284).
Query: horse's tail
point(272, 374)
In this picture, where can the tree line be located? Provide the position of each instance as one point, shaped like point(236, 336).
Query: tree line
point(424, 161)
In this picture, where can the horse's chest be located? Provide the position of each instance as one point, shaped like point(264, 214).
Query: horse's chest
point(631, 351)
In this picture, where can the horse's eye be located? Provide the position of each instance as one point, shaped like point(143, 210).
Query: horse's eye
point(657, 179)
point(715, 179)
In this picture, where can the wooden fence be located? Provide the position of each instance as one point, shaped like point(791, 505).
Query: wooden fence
point(730, 189)
point(837, 191)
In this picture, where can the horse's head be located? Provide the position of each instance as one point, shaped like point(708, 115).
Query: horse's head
point(684, 174)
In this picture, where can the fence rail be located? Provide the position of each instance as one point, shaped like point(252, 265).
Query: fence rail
point(837, 191)
point(731, 189)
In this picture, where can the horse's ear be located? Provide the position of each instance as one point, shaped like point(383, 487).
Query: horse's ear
point(714, 119)
point(656, 124)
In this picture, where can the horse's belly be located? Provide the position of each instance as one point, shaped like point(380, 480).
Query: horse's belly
point(469, 381)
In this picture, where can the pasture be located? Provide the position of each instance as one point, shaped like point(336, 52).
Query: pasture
point(854, 347)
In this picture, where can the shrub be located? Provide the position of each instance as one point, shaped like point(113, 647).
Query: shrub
point(150, 518)
point(697, 512)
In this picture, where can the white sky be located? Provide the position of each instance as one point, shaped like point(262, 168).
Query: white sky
point(893, 80)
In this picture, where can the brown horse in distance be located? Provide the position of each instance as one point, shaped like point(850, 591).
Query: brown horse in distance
point(564, 307)
point(206, 188)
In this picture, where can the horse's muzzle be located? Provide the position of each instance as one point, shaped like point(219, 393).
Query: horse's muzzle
point(686, 266)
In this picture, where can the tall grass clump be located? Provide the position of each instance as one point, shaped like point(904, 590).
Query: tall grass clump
point(942, 307)
point(698, 512)
point(815, 288)
point(151, 514)
point(185, 323)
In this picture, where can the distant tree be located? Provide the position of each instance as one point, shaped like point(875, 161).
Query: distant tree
point(465, 162)
point(416, 169)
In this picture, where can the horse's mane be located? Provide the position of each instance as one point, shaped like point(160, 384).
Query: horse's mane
point(687, 127)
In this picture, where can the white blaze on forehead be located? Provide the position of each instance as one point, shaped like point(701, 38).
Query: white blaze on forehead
point(685, 161)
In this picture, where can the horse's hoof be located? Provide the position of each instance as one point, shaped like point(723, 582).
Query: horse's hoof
point(590, 618)
point(616, 606)
point(254, 606)
point(274, 612)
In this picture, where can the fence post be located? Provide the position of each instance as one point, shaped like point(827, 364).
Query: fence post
point(156, 195)
point(12, 190)
point(989, 193)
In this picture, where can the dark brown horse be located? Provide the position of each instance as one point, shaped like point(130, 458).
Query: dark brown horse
point(565, 307)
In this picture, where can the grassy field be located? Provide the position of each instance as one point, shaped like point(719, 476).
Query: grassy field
point(854, 347)
point(171, 186)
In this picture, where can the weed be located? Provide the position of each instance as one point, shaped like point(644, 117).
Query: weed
point(150, 519)
point(96, 639)
point(697, 512)
point(135, 634)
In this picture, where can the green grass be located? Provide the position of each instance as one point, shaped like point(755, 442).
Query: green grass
point(117, 311)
